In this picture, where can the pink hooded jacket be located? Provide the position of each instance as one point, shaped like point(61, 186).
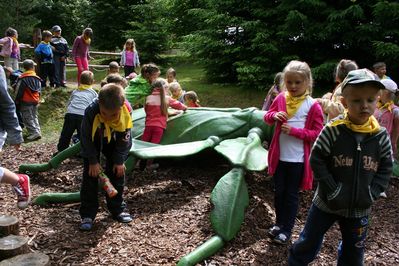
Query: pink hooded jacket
point(313, 126)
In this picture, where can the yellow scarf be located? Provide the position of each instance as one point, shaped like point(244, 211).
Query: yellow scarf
point(371, 126)
point(83, 87)
point(86, 40)
point(178, 96)
point(44, 42)
point(293, 103)
point(15, 40)
point(120, 125)
point(30, 73)
point(387, 105)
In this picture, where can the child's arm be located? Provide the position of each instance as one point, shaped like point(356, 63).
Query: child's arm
point(136, 59)
point(316, 125)
point(122, 148)
point(381, 178)
point(75, 47)
point(175, 104)
point(319, 158)
point(275, 112)
point(395, 133)
point(88, 150)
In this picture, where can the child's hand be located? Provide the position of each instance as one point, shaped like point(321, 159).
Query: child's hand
point(119, 170)
point(285, 128)
point(94, 170)
point(280, 116)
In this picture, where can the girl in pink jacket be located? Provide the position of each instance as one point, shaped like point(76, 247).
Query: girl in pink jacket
point(298, 120)
point(156, 109)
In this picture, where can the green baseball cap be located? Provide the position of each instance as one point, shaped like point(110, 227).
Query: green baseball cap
point(359, 76)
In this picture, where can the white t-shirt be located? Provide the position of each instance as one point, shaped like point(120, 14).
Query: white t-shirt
point(291, 148)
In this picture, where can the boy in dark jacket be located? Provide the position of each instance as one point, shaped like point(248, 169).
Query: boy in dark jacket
point(106, 129)
point(352, 162)
point(27, 98)
point(60, 51)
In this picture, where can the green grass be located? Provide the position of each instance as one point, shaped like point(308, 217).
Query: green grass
point(191, 77)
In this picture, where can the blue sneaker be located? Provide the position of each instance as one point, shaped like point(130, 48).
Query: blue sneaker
point(86, 224)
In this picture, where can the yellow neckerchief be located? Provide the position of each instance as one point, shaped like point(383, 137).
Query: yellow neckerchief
point(15, 41)
point(387, 105)
point(293, 103)
point(178, 96)
point(120, 125)
point(87, 40)
point(29, 73)
point(44, 42)
point(83, 87)
point(371, 126)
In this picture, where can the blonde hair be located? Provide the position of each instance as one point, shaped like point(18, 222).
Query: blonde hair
point(174, 86)
point(343, 68)
point(162, 85)
point(87, 77)
point(301, 68)
point(130, 41)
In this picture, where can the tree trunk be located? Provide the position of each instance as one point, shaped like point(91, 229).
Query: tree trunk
point(9, 225)
point(12, 245)
point(32, 259)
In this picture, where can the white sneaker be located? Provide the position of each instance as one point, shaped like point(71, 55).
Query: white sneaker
point(383, 195)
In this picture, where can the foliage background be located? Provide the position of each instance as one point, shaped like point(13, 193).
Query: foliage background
point(236, 41)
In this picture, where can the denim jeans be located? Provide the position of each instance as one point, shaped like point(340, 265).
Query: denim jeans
point(351, 247)
point(287, 180)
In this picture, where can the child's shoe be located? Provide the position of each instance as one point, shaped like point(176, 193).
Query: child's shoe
point(281, 239)
point(274, 231)
point(123, 217)
point(22, 189)
point(33, 137)
point(86, 224)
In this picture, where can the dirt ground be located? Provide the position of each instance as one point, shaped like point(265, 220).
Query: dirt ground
point(171, 218)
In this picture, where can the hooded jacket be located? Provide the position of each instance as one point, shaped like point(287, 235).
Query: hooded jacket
point(351, 173)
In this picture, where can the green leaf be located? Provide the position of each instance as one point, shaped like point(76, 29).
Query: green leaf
point(245, 152)
point(230, 198)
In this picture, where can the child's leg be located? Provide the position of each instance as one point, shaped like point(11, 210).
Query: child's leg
point(279, 185)
point(20, 184)
point(354, 233)
point(3, 137)
point(116, 204)
point(66, 134)
point(156, 136)
point(8, 177)
point(88, 194)
point(44, 73)
point(305, 249)
point(35, 119)
point(290, 201)
point(79, 65)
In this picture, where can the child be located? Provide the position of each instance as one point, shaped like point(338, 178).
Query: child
point(78, 102)
point(10, 50)
point(60, 51)
point(191, 99)
point(380, 69)
point(80, 50)
point(140, 86)
point(352, 162)
point(114, 78)
point(106, 129)
point(113, 69)
point(10, 129)
point(387, 113)
point(27, 98)
point(45, 54)
point(156, 109)
point(129, 57)
point(171, 75)
point(273, 92)
point(331, 104)
point(176, 91)
point(298, 119)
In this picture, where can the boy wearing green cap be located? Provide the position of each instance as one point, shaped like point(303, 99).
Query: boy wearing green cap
point(352, 162)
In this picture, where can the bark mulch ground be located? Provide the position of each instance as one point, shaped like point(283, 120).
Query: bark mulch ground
point(171, 209)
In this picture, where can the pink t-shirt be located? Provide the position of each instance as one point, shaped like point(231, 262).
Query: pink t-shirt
point(129, 58)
